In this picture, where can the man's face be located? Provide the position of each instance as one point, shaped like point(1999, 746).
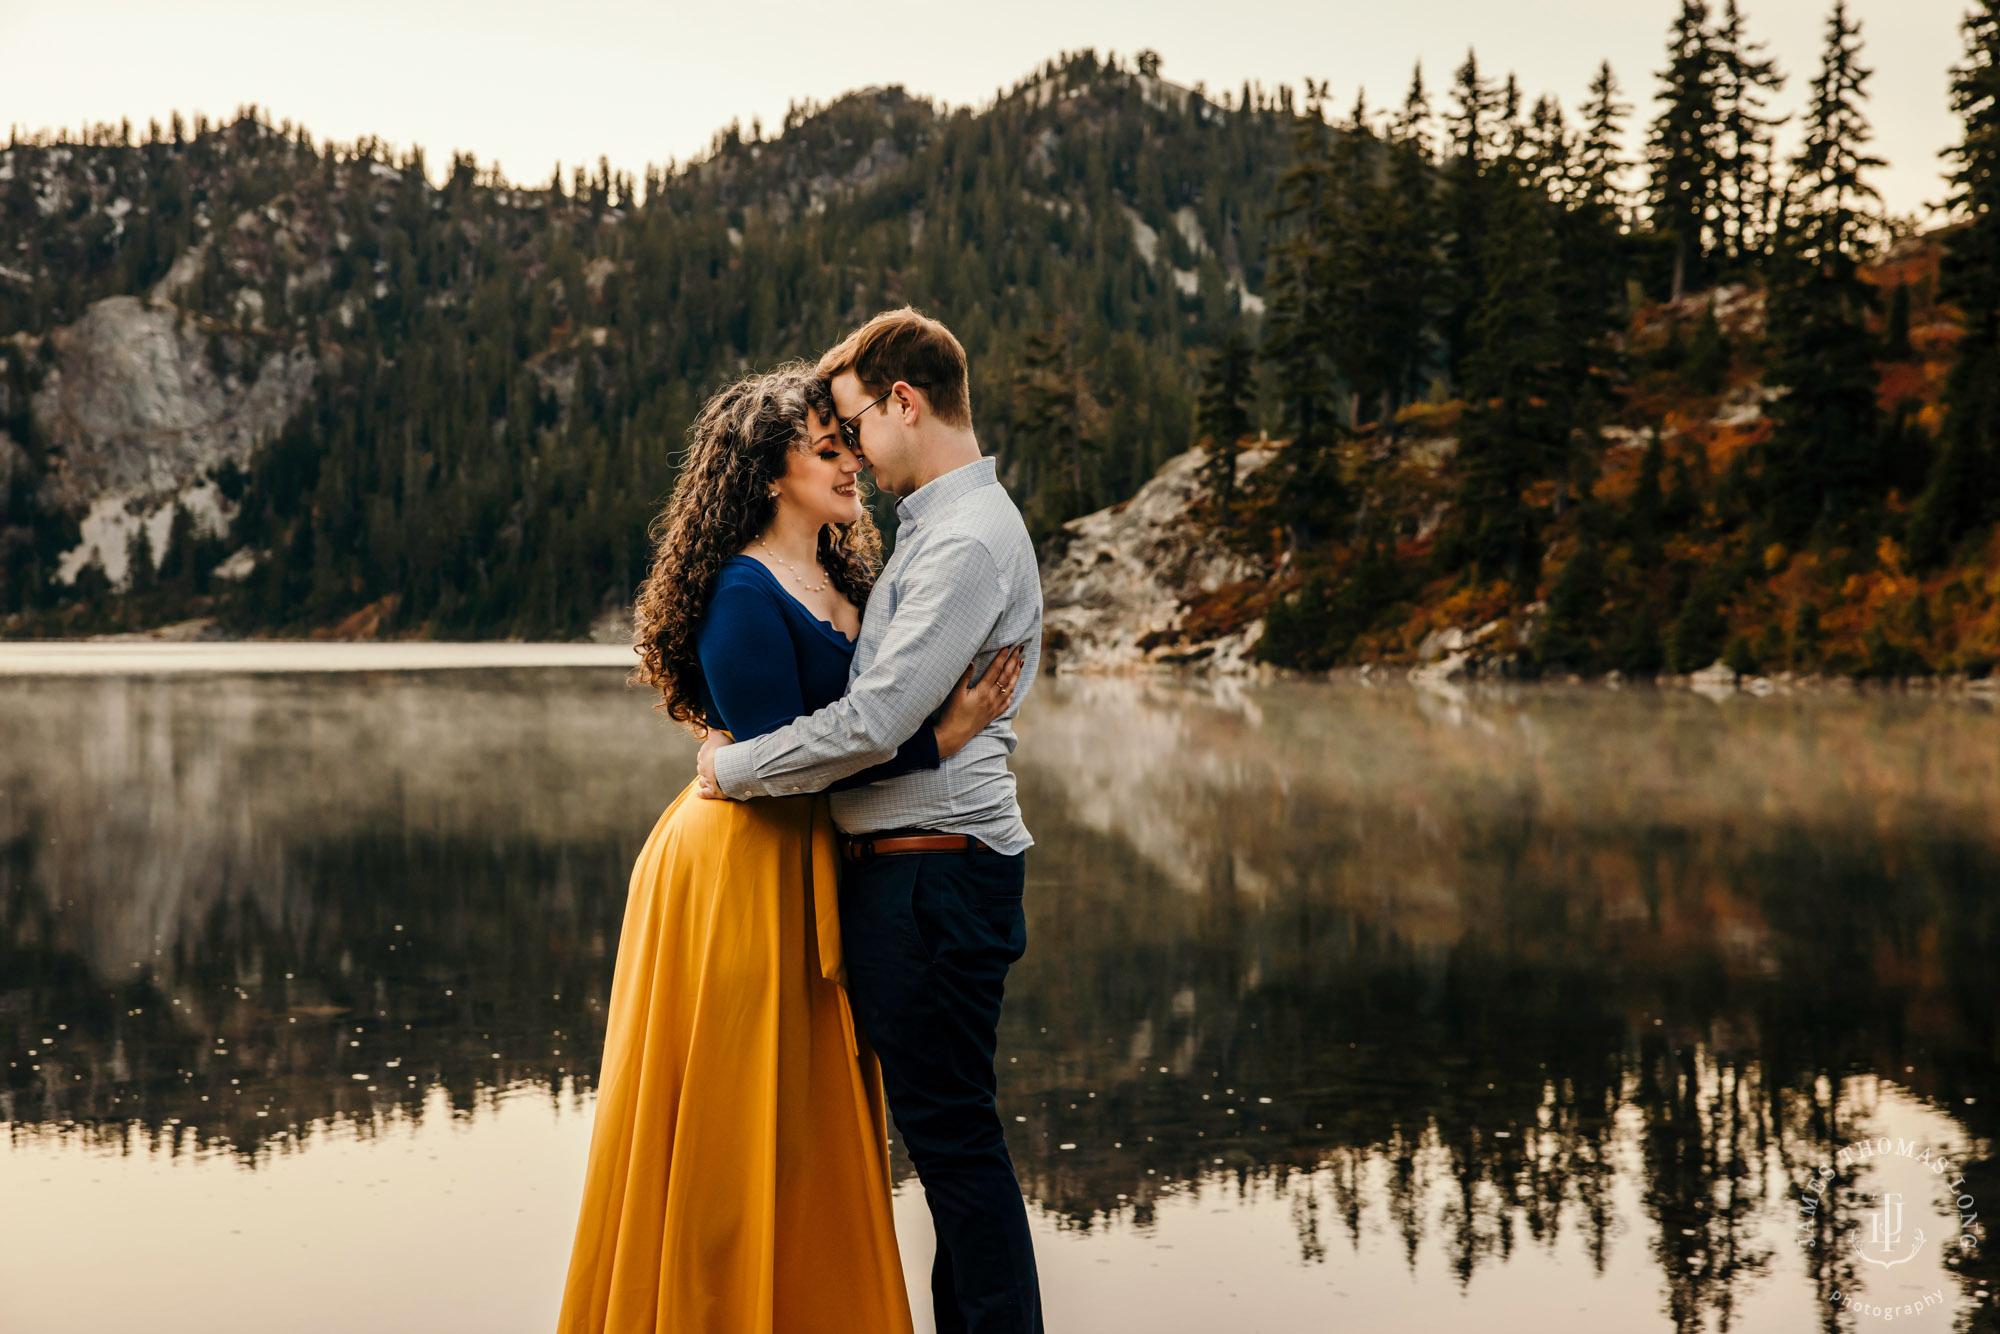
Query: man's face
point(887, 446)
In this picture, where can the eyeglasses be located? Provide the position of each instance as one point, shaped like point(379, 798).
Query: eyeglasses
point(850, 430)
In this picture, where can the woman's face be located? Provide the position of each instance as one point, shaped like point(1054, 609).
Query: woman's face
point(821, 476)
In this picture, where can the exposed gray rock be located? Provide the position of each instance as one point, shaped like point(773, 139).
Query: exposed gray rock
point(186, 268)
point(1439, 642)
point(136, 417)
point(1456, 665)
point(1144, 237)
point(238, 565)
point(1715, 680)
point(1454, 653)
point(1744, 406)
point(1738, 307)
point(1128, 570)
point(1453, 641)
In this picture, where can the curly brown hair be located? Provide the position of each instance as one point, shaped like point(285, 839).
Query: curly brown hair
point(739, 444)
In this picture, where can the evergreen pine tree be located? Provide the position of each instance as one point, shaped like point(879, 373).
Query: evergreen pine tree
point(1575, 617)
point(1824, 458)
point(1228, 391)
point(1515, 426)
point(1964, 488)
point(1708, 354)
point(1062, 420)
point(1298, 299)
point(1470, 147)
point(177, 562)
point(1683, 148)
point(1316, 626)
point(1349, 330)
point(92, 584)
point(1746, 191)
point(1308, 315)
point(1410, 254)
point(1599, 154)
point(1836, 207)
point(1398, 267)
point(1509, 140)
point(139, 569)
point(1646, 513)
point(1412, 121)
point(1550, 152)
point(1697, 635)
point(1896, 326)
point(1574, 180)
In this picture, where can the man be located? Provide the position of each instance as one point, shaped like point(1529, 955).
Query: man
point(930, 909)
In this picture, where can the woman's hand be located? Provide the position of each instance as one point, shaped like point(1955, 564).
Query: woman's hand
point(973, 705)
point(704, 764)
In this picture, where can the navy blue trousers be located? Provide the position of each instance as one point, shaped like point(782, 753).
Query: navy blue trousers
point(928, 938)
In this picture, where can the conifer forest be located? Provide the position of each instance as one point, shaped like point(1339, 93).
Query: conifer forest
point(1648, 392)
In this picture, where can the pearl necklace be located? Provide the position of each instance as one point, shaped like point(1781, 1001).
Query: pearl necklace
point(810, 588)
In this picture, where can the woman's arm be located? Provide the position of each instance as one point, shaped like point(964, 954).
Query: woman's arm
point(971, 706)
point(748, 662)
point(940, 623)
point(751, 668)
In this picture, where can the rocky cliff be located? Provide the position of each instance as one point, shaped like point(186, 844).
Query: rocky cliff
point(139, 418)
point(1147, 584)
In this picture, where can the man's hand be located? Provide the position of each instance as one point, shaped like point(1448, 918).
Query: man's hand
point(704, 765)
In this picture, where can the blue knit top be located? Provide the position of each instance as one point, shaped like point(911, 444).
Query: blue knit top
point(766, 659)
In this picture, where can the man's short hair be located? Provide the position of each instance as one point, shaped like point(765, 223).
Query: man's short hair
point(907, 345)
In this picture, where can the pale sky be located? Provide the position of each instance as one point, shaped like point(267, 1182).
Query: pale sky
point(530, 84)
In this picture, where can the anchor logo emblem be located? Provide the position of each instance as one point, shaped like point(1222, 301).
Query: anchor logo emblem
point(1885, 1234)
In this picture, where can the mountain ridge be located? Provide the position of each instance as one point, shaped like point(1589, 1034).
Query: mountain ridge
point(1507, 411)
point(576, 326)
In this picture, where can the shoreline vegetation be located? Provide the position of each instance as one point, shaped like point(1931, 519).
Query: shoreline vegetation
point(1520, 405)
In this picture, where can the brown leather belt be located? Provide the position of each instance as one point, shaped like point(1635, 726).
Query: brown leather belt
point(862, 847)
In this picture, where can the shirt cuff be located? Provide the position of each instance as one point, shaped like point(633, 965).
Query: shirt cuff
point(736, 772)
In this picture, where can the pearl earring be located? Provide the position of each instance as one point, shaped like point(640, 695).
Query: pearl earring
point(774, 493)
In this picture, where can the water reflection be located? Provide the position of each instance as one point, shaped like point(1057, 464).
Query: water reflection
point(1486, 941)
point(1539, 983)
point(228, 911)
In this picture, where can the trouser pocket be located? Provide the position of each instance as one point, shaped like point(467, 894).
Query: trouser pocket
point(967, 910)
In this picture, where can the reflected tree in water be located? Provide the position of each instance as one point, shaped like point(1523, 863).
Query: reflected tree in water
point(1461, 975)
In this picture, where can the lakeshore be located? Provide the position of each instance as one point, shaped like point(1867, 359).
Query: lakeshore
point(139, 656)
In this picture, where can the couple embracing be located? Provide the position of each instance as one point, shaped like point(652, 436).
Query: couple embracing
point(788, 957)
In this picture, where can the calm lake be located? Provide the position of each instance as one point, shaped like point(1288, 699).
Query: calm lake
point(1343, 1008)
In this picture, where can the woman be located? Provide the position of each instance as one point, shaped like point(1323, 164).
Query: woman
point(738, 1173)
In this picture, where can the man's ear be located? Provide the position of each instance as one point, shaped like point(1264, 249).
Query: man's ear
point(910, 399)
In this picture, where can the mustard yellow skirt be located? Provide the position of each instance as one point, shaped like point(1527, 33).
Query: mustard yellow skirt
point(738, 1180)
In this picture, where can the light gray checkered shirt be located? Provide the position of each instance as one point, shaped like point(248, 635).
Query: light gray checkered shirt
point(961, 586)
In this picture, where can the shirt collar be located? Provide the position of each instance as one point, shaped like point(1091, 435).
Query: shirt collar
point(940, 493)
